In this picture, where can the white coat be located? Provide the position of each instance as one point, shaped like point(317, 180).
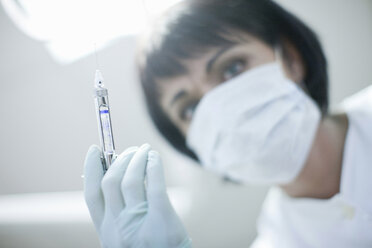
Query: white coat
point(344, 220)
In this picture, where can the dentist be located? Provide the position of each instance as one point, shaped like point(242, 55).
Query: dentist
point(241, 87)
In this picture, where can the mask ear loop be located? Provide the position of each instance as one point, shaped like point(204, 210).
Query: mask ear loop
point(278, 55)
point(278, 59)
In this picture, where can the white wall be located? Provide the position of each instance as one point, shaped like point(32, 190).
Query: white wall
point(48, 117)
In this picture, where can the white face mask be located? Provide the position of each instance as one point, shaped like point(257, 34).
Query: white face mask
point(256, 128)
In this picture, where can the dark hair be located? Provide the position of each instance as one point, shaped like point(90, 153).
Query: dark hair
point(190, 27)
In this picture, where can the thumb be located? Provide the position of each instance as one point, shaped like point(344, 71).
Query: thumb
point(93, 173)
point(158, 201)
point(156, 189)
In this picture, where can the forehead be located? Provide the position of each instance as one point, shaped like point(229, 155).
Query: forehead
point(195, 67)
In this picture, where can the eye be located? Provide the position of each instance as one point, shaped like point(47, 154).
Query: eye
point(187, 112)
point(233, 69)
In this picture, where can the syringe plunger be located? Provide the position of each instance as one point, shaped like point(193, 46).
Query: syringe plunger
point(104, 121)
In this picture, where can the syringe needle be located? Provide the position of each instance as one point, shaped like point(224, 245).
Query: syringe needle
point(95, 54)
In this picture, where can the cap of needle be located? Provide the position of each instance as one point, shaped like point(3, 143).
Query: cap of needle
point(98, 79)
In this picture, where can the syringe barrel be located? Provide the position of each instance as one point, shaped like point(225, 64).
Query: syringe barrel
point(104, 126)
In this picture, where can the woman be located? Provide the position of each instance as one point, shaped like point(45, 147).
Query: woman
point(241, 86)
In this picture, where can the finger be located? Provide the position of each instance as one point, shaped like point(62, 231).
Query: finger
point(156, 188)
point(133, 187)
point(93, 173)
point(110, 185)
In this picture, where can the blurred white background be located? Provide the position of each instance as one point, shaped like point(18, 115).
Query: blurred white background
point(48, 122)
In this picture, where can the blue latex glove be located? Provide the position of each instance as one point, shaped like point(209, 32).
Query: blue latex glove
point(125, 211)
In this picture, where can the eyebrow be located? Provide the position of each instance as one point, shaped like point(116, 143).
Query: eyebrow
point(215, 57)
point(180, 94)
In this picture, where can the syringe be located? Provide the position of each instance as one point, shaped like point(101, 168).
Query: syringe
point(104, 121)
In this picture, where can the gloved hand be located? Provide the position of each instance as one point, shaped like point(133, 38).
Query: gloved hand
point(125, 211)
